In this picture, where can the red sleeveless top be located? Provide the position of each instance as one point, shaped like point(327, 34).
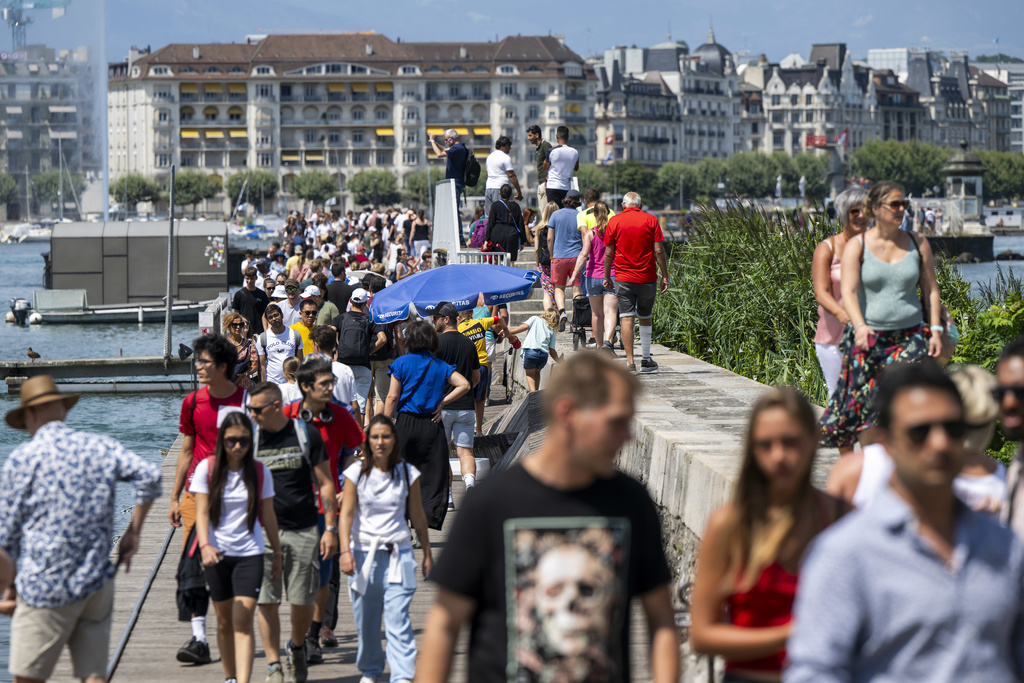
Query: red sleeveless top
point(768, 603)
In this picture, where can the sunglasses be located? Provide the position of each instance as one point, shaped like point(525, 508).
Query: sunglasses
point(240, 442)
point(897, 206)
point(237, 325)
point(919, 433)
point(999, 393)
point(309, 313)
point(291, 289)
point(257, 410)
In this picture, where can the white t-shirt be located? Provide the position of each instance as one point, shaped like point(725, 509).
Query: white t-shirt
point(393, 255)
point(381, 510)
point(279, 347)
point(345, 383)
point(290, 393)
point(563, 160)
point(290, 313)
point(498, 165)
point(231, 535)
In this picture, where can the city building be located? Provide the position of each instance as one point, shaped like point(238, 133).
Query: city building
point(637, 118)
point(898, 107)
point(45, 113)
point(994, 97)
point(1013, 76)
point(341, 103)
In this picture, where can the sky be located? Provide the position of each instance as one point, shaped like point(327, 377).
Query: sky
point(773, 27)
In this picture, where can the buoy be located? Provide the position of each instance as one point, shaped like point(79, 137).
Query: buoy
point(141, 316)
point(9, 317)
point(35, 317)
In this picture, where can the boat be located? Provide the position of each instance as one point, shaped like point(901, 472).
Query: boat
point(70, 306)
point(26, 232)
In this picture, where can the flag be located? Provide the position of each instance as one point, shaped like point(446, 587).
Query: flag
point(331, 202)
point(242, 207)
point(803, 186)
point(843, 139)
point(995, 41)
point(607, 158)
point(778, 187)
point(609, 139)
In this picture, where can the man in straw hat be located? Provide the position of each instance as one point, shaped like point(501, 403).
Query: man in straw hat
point(57, 514)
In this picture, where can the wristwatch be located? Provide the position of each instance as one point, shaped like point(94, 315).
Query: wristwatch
point(331, 529)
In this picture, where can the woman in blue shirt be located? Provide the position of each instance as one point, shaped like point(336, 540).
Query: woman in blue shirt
point(417, 396)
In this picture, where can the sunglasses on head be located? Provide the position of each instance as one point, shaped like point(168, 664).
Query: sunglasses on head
point(1000, 392)
point(919, 433)
point(242, 442)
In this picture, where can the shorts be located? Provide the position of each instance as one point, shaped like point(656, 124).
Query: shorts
point(534, 359)
point(38, 636)
point(363, 381)
point(561, 269)
point(636, 298)
point(459, 426)
point(381, 379)
point(555, 195)
point(490, 346)
point(326, 566)
point(594, 286)
point(483, 389)
point(235, 577)
point(300, 568)
point(187, 510)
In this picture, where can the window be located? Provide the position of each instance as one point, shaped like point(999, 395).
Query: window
point(264, 90)
point(506, 69)
point(776, 117)
point(411, 114)
point(357, 114)
point(794, 100)
point(212, 70)
point(357, 136)
point(234, 115)
point(310, 92)
point(508, 89)
point(510, 114)
point(776, 100)
point(809, 116)
point(264, 71)
point(163, 160)
point(533, 91)
point(808, 100)
point(210, 114)
point(161, 71)
point(478, 91)
point(265, 159)
point(453, 90)
point(411, 158)
point(162, 116)
point(358, 158)
point(411, 136)
point(382, 115)
point(410, 70)
point(334, 137)
point(310, 136)
point(188, 161)
point(754, 128)
point(334, 115)
point(533, 112)
point(778, 139)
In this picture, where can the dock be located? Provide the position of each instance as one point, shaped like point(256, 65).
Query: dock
point(81, 368)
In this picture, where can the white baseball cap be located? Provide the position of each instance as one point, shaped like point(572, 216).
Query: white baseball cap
point(359, 296)
point(312, 290)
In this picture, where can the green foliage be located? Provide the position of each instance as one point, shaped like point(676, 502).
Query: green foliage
point(1004, 178)
point(633, 176)
point(709, 173)
point(998, 59)
point(132, 188)
point(192, 187)
point(813, 167)
point(46, 185)
point(419, 186)
point(361, 187)
point(752, 174)
point(315, 187)
point(8, 188)
point(915, 165)
point(260, 182)
point(594, 176)
point(669, 176)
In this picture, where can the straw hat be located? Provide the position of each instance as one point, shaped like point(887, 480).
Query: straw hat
point(37, 391)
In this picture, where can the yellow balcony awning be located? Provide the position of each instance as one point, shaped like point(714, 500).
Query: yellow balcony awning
point(212, 87)
point(192, 134)
point(239, 133)
point(461, 131)
point(335, 87)
point(189, 87)
point(575, 109)
point(214, 134)
point(568, 108)
point(435, 131)
point(481, 130)
point(482, 151)
point(289, 157)
point(385, 131)
point(236, 87)
point(235, 110)
point(383, 87)
point(314, 156)
point(579, 130)
point(574, 84)
point(360, 87)
point(210, 111)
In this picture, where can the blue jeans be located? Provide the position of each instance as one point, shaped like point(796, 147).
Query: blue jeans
point(390, 601)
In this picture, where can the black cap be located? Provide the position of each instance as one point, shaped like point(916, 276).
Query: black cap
point(572, 194)
point(445, 309)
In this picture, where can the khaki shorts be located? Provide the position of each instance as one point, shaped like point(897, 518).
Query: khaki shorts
point(381, 378)
point(38, 636)
point(187, 510)
point(300, 567)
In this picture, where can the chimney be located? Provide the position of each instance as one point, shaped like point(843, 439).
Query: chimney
point(762, 59)
point(369, 48)
point(195, 52)
point(463, 53)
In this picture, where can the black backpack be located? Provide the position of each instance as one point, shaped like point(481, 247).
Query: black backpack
point(472, 170)
point(354, 339)
point(541, 244)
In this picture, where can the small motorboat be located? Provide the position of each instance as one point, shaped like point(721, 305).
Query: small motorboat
point(20, 310)
point(70, 306)
point(27, 232)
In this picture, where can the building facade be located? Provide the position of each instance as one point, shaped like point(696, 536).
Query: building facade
point(637, 119)
point(899, 107)
point(342, 104)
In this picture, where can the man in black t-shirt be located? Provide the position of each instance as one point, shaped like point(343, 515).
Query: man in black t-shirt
point(545, 558)
point(358, 338)
point(459, 416)
point(251, 302)
point(296, 458)
point(339, 291)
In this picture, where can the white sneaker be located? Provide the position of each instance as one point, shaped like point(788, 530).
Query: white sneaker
point(367, 679)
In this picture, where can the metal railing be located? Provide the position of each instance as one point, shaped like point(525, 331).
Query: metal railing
point(498, 258)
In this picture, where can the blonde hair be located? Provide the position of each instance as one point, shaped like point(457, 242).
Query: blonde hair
point(228, 318)
point(550, 316)
point(975, 385)
point(545, 217)
point(289, 367)
point(600, 218)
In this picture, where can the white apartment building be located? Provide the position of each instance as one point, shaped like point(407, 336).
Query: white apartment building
point(341, 103)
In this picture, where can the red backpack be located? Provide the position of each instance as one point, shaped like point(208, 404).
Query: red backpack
point(210, 460)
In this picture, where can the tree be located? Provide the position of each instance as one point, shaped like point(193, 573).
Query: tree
point(192, 187)
point(915, 165)
point(315, 187)
point(362, 187)
point(262, 186)
point(633, 176)
point(593, 176)
point(709, 173)
point(813, 167)
point(132, 188)
point(1004, 178)
point(8, 188)
point(669, 176)
point(419, 185)
point(752, 174)
point(46, 185)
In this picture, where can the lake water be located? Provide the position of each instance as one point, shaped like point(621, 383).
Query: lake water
point(147, 423)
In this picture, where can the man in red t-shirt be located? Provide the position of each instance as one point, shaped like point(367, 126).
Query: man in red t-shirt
point(633, 242)
point(315, 379)
point(202, 411)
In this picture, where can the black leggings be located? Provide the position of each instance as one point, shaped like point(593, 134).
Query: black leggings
point(235, 577)
point(424, 445)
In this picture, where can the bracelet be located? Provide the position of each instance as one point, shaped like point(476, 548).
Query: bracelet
point(205, 545)
point(937, 328)
point(345, 551)
point(860, 326)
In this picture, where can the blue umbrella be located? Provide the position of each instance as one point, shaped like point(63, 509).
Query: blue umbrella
point(458, 284)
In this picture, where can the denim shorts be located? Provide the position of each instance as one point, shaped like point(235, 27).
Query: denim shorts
point(459, 426)
point(483, 389)
point(534, 359)
point(594, 286)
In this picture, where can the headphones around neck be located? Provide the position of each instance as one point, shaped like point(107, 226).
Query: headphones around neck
point(306, 415)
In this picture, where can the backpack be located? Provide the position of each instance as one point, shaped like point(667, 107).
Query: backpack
point(479, 234)
point(354, 340)
point(210, 460)
point(540, 242)
point(386, 352)
point(472, 170)
point(296, 338)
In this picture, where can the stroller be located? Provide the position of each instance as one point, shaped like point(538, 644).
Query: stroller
point(581, 320)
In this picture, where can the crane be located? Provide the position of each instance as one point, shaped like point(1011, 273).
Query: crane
point(13, 12)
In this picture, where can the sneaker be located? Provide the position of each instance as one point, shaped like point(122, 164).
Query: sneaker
point(632, 368)
point(562, 319)
point(298, 668)
point(609, 349)
point(327, 637)
point(275, 674)
point(648, 365)
point(194, 652)
point(314, 655)
point(367, 679)
point(592, 343)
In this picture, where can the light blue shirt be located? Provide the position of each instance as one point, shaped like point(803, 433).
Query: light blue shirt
point(568, 238)
point(539, 336)
point(57, 511)
point(875, 603)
